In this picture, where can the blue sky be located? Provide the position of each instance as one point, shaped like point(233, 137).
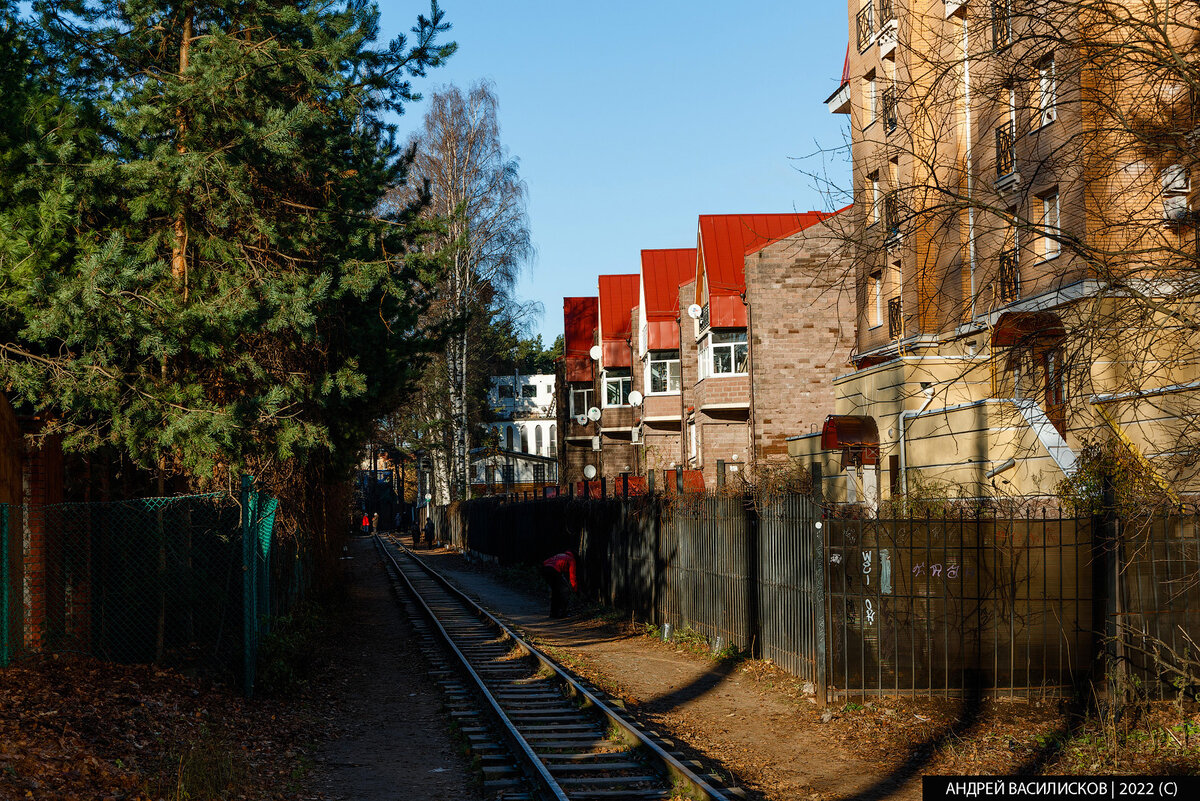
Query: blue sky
point(631, 119)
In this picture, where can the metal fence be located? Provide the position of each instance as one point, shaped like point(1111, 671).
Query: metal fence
point(919, 606)
point(189, 581)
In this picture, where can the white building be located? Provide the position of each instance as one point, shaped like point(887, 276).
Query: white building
point(525, 412)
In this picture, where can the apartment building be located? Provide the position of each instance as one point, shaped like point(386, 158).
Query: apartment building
point(992, 235)
point(578, 445)
point(724, 405)
point(658, 377)
point(619, 453)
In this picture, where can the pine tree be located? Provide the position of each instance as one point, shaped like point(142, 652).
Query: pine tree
point(227, 290)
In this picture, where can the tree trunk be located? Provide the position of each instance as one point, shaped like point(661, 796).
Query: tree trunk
point(179, 226)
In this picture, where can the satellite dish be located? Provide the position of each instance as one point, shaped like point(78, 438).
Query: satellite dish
point(589, 471)
point(581, 419)
point(635, 398)
point(593, 414)
point(428, 497)
point(694, 311)
point(595, 353)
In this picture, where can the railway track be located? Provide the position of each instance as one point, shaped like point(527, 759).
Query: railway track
point(537, 731)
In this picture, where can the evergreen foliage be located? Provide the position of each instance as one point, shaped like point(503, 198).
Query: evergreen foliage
point(196, 265)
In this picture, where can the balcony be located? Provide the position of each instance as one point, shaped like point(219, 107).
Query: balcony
point(865, 24)
point(704, 317)
point(1006, 159)
point(890, 119)
point(1001, 23)
point(1009, 280)
point(891, 218)
point(895, 319)
point(887, 29)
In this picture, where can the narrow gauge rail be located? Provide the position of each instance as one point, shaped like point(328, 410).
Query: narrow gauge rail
point(571, 745)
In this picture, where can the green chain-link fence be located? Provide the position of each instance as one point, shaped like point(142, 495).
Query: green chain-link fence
point(183, 581)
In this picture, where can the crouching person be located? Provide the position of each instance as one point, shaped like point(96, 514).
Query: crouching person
point(559, 573)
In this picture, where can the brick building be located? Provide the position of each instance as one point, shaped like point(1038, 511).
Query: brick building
point(576, 388)
point(657, 321)
point(618, 298)
point(720, 426)
point(1000, 208)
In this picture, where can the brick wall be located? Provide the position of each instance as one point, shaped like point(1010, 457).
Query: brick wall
point(42, 590)
point(800, 293)
point(687, 367)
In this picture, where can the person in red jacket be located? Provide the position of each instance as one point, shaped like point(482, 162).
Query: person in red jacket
point(559, 573)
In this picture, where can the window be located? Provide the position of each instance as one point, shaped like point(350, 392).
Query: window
point(553, 440)
point(529, 391)
point(1001, 23)
point(1176, 185)
point(491, 474)
point(509, 437)
point(875, 297)
point(537, 441)
point(1050, 224)
point(1047, 91)
point(664, 371)
point(524, 440)
point(504, 391)
point(692, 438)
point(870, 99)
point(874, 198)
point(1056, 388)
point(581, 400)
point(539, 473)
point(702, 360)
point(508, 473)
point(730, 355)
point(618, 383)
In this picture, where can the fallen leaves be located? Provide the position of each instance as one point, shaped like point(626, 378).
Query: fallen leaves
point(75, 728)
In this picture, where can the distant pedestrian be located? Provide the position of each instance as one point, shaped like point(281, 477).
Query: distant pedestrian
point(429, 532)
point(366, 524)
point(375, 523)
point(559, 573)
point(416, 533)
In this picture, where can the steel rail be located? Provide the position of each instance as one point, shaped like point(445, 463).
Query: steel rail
point(680, 776)
point(534, 768)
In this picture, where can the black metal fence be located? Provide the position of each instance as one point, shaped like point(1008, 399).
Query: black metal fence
point(920, 605)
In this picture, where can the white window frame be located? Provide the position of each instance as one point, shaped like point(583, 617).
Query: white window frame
point(874, 198)
point(1047, 91)
point(618, 376)
point(589, 392)
point(875, 287)
point(871, 101)
point(711, 346)
point(1051, 222)
point(657, 357)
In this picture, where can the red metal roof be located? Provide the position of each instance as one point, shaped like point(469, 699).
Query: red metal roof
point(618, 296)
point(726, 238)
point(580, 318)
point(663, 272)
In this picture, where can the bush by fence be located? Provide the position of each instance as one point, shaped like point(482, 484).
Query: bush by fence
point(189, 581)
point(917, 605)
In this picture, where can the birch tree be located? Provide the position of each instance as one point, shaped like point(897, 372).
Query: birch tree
point(479, 196)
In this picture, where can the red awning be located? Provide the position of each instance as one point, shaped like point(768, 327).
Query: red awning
point(856, 436)
point(662, 335)
point(616, 354)
point(726, 311)
point(578, 368)
point(1027, 328)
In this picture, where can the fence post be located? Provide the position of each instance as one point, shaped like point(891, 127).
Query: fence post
point(625, 486)
point(603, 487)
point(1110, 564)
point(650, 482)
point(249, 601)
point(4, 656)
point(820, 601)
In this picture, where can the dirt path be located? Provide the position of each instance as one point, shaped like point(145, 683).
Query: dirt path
point(395, 742)
point(773, 740)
